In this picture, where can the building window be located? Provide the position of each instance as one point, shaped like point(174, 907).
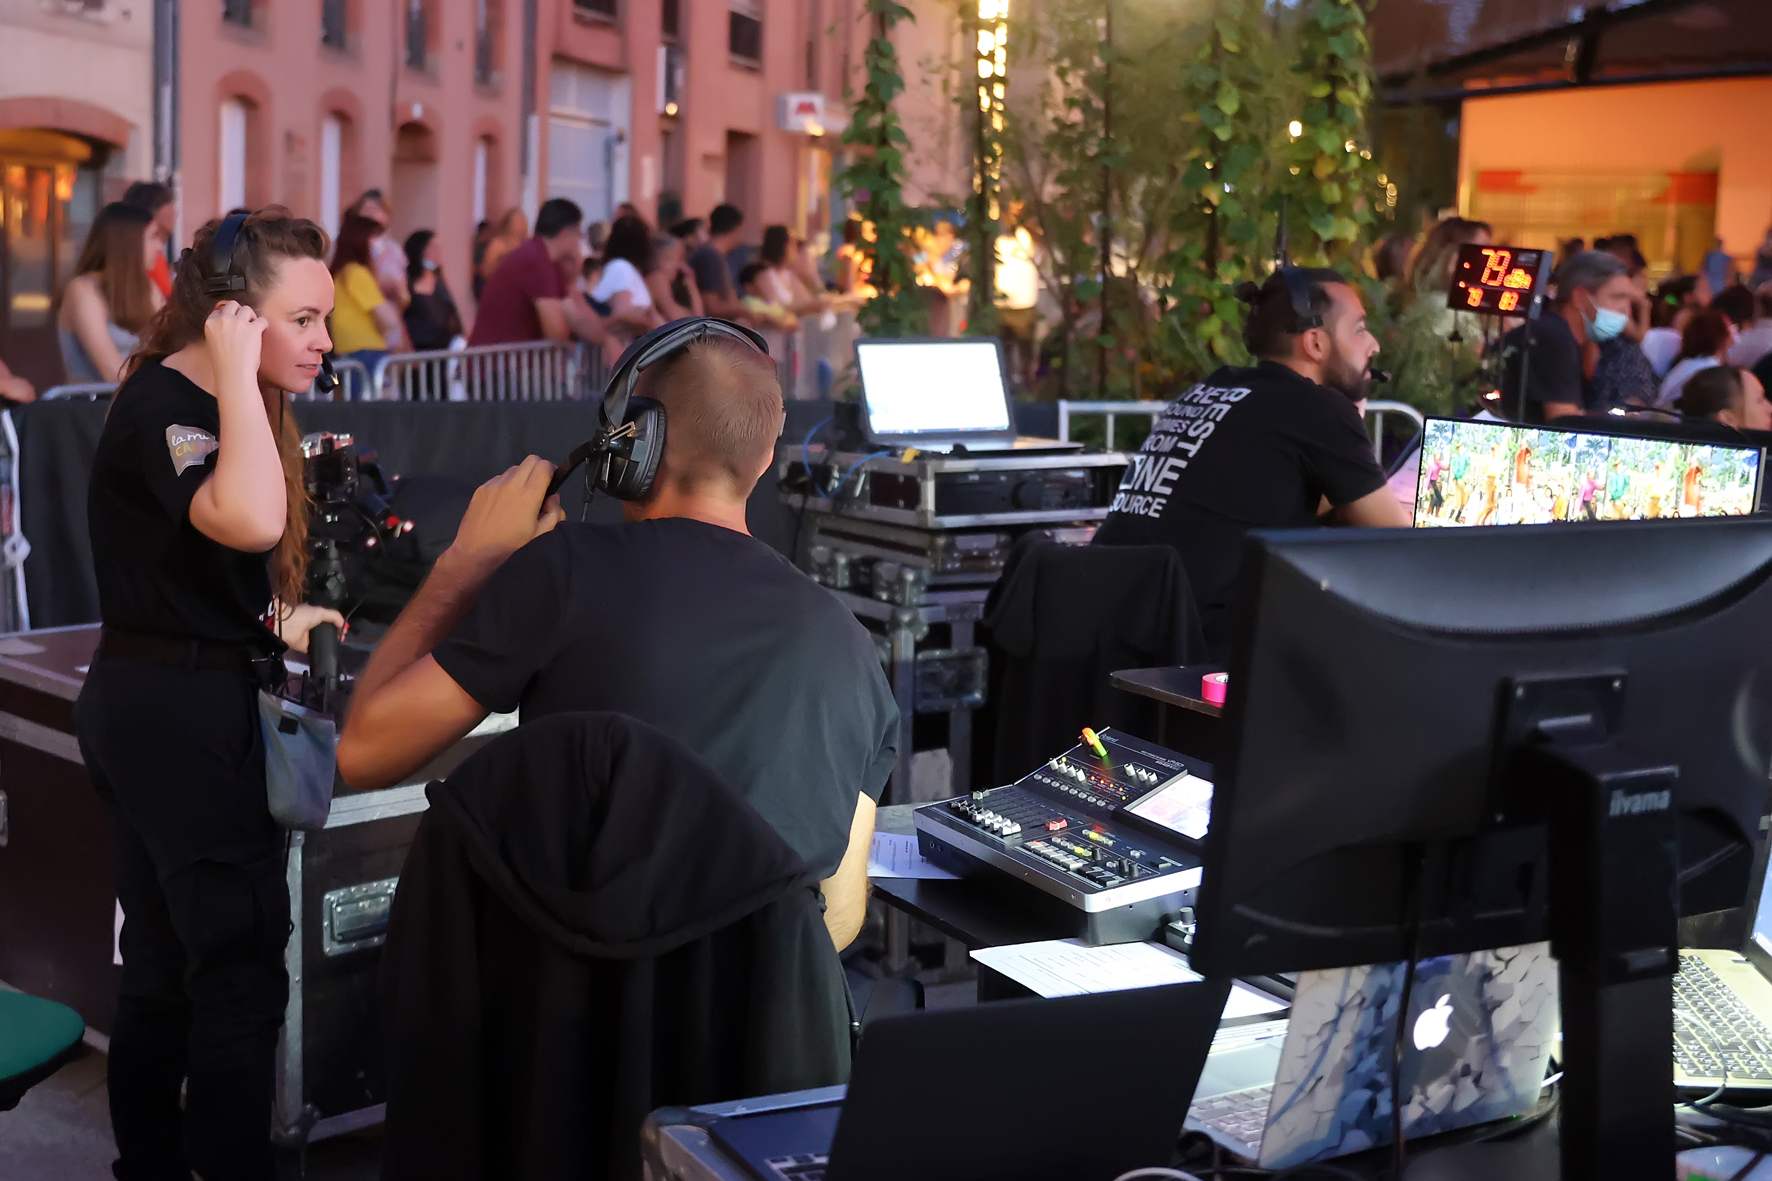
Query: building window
point(237, 12)
point(333, 28)
point(488, 26)
point(332, 140)
point(672, 23)
point(418, 39)
point(482, 175)
point(744, 31)
point(231, 159)
point(588, 116)
point(595, 9)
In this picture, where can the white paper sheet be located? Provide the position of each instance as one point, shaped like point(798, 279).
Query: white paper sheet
point(1068, 967)
point(894, 855)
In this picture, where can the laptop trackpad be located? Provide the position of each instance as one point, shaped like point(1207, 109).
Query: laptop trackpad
point(1240, 1069)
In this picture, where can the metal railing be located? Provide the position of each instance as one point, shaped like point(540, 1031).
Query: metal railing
point(92, 391)
point(539, 371)
point(1111, 410)
point(347, 372)
point(1376, 413)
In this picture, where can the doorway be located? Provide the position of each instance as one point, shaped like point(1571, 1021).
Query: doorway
point(49, 190)
point(414, 180)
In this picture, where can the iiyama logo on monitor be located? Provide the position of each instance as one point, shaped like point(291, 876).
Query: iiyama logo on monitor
point(1434, 1025)
point(1643, 801)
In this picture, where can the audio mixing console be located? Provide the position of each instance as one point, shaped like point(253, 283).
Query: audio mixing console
point(1110, 843)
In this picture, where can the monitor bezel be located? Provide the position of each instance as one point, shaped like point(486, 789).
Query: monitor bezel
point(913, 438)
point(1745, 444)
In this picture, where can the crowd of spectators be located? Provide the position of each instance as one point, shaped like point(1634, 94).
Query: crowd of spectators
point(1608, 341)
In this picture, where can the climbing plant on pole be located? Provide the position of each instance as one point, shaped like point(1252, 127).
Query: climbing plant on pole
point(874, 179)
point(1332, 182)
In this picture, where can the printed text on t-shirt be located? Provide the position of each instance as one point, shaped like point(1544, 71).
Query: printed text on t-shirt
point(1175, 439)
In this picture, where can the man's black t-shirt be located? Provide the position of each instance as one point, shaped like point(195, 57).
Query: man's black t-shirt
point(156, 572)
point(1245, 449)
point(1554, 374)
point(707, 634)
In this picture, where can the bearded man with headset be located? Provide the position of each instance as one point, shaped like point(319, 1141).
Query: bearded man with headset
point(676, 616)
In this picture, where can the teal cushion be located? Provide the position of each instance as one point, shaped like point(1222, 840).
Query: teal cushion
point(34, 1031)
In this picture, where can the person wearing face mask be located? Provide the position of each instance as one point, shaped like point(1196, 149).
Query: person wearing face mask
point(198, 521)
point(431, 319)
point(1275, 446)
point(1594, 294)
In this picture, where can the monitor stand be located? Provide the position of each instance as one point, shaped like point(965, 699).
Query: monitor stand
point(1614, 860)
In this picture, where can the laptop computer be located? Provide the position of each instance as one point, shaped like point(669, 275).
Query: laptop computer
point(1723, 1010)
point(975, 1094)
point(934, 393)
point(1478, 1041)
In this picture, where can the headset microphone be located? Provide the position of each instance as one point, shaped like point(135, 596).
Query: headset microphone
point(327, 381)
point(1377, 375)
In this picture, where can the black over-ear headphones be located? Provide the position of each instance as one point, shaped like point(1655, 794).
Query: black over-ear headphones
point(1299, 288)
point(226, 282)
point(630, 439)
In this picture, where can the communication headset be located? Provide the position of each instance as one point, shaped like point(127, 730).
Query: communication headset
point(226, 282)
point(1299, 288)
point(630, 440)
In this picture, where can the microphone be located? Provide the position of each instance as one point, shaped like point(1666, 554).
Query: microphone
point(327, 381)
point(1377, 376)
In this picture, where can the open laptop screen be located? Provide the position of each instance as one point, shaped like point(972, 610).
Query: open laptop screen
point(933, 388)
point(1763, 917)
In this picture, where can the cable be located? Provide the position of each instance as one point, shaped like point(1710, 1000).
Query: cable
point(852, 468)
point(1172, 1174)
point(1412, 893)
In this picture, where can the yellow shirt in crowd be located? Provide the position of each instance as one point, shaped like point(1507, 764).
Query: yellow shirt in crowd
point(355, 297)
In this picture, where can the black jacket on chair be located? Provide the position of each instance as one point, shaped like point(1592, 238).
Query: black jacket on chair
point(592, 924)
point(1061, 620)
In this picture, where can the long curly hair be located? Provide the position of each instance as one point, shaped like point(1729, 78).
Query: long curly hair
point(267, 237)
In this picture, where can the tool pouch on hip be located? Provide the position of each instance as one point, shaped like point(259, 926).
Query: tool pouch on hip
point(301, 762)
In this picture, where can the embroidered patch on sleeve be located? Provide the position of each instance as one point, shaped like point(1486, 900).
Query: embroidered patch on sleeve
point(188, 447)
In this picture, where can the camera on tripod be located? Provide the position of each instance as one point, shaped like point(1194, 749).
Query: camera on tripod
point(350, 522)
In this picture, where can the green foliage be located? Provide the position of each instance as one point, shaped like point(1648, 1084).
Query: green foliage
point(1200, 161)
point(874, 179)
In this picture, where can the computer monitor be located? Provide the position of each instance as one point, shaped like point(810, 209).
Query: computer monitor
point(1452, 740)
point(1474, 472)
point(917, 390)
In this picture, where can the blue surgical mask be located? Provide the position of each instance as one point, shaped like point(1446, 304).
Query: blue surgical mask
point(429, 265)
point(1604, 324)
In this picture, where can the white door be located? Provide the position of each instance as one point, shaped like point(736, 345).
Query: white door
point(588, 115)
point(482, 154)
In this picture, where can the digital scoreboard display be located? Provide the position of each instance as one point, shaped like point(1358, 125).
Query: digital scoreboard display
point(1499, 280)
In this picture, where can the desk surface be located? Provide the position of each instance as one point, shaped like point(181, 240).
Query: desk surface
point(1177, 685)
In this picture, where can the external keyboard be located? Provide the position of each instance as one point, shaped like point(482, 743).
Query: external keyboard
point(1240, 1115)
point(1715, 1035)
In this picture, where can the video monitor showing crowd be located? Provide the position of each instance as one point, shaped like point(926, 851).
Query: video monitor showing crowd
point(1494, 473)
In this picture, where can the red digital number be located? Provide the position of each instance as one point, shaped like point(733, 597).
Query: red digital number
point(1474, 296)
point(1495, 269)
point(1509, 301)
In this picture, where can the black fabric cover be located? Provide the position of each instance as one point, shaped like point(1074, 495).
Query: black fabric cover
point(471, 441)
point(591, 924)
point(1061, 620)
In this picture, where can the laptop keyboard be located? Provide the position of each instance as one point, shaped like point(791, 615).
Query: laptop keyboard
point(805, 1167)
point(1240, 1115)
point(1714, 1033)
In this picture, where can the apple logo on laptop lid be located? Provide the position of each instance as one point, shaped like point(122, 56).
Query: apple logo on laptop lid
point(1434, 1025)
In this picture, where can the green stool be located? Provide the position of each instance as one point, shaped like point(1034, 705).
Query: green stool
point(37, 1038)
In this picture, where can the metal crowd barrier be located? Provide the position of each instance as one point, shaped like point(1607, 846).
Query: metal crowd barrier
point(537, 371)
point(91, 391)
point(1375, 416)
point(347, 371)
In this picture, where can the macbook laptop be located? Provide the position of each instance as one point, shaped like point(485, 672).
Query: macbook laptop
point(1723, 1010)
point(980, 1093)
point(1478, 1040)
point(938, 392)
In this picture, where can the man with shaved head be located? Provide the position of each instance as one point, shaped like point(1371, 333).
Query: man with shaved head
point(677, 616)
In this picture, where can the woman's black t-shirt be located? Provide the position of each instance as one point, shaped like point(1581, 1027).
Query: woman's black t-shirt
point(156, 572)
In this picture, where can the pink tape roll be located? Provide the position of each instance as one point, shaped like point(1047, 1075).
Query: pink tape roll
point(1214, 686)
